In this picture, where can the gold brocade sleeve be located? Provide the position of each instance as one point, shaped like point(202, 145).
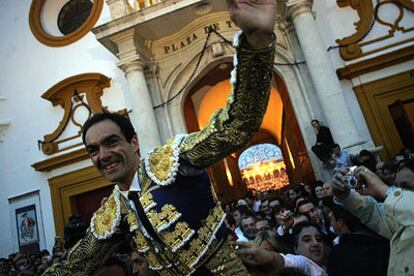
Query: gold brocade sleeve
point(234, 126)
point(86, 256)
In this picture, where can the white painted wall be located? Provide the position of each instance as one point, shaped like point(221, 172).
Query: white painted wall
point(28, 69)
point(335, 23)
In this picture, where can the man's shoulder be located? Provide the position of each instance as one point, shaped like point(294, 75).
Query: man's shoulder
point(107, 218)
point(161, 164)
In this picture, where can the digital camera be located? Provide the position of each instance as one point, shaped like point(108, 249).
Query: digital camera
point(350, 177)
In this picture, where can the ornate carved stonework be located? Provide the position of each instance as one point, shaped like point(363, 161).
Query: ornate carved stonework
point(355, 46)
point(81, 92)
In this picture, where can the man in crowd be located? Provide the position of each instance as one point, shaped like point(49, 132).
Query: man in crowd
point(307, 208)
point(164, 205)
point(248, 228)
point(341, 157)
point(324, 142)
point(356, 251)
point(392, 219)
point(327, 189)
point(389, 172)
point(309, 254)
point(264, 224)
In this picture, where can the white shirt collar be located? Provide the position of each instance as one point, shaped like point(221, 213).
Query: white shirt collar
point(135, 186)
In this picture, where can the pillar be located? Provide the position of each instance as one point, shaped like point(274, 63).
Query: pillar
point(326, 83)
point(142, 115)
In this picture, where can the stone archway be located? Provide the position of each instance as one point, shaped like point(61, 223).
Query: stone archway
point(279, 128)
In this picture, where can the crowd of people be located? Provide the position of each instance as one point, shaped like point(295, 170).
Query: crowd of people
point(123, 263)
point(336, 227)
point(32, 263)
point(298, 230)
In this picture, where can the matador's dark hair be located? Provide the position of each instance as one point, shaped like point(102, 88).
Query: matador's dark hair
point(124, 124)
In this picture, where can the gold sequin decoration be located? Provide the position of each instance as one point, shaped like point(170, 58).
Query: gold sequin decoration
point(132, 220)
point(153, 261)
point(225, 262)
point(104, 218)
point(178, 238)
point(164, 219)
point(161, 162)
point(147, 201)
point(141, 242)
point(205, 235)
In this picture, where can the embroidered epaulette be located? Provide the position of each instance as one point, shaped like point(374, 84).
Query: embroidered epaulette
point(105, 221)
point(161, 164)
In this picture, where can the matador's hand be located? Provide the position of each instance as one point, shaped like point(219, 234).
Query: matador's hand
point(256, 18)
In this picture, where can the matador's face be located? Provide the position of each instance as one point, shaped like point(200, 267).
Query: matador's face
point(111, 153)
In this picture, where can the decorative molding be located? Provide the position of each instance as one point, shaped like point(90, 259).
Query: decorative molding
point(69, 94)
point(374, 99)
point(61, 161)
point(4, 125)
point(66, 186)
point(376, 63)
point(408, 4)
point(351, 47)
point(59, 41)
point(297, 7)
point(365, 11)
point(131, 65)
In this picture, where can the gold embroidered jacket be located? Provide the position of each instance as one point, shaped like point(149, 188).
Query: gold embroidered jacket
point(182, 208)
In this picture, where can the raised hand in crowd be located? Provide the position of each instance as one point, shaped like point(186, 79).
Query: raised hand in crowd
point(259, 260)
point(286, 220)
point(373, 185)
point(370, 183)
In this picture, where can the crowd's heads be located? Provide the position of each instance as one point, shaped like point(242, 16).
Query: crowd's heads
point(315, 123)
point(327, 189)
point(336, 149)
point(248, 227)
point(306, 187)
point(114, 267)
point(263, 224)
point(269, 241)
point(379, 169)
point(264, 207)
point(140, 265)
point(318, 189)
point(74, 230)
point(389, 171)
point(308, 208)
point(275, 202)
point(297, 191)
point(342, 221)
point(308, 241)
point(250, 200)
point(405, 176)
point(240, 212)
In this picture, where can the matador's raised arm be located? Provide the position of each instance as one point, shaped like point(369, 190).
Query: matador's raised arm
point(234, 126)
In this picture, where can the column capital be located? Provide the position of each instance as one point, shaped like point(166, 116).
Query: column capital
point(296, 7)
point(117, 8)
point(131, 64)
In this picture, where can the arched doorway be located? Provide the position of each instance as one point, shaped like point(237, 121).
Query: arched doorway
point(279, 128)
point(263, 168)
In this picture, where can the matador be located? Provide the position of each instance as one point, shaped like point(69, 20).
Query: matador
point(164, 204)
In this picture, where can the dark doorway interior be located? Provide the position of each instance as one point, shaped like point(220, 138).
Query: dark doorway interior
point(86, 204)
point(401, 113)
